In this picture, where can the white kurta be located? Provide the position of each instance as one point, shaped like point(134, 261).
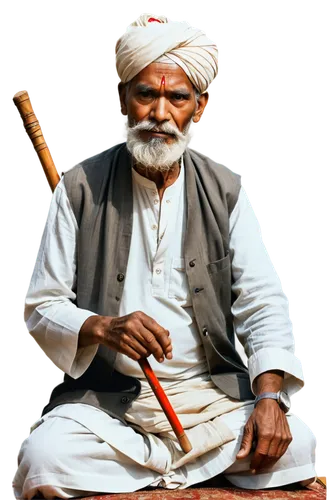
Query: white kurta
point(156, 284)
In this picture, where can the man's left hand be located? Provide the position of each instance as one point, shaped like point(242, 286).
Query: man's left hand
point(268, 431)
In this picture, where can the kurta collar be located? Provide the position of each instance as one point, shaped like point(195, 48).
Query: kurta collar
point(147, 183)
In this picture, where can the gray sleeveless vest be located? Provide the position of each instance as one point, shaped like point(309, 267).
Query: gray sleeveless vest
point(100, 192)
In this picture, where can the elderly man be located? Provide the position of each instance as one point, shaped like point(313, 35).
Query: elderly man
point(152, 249)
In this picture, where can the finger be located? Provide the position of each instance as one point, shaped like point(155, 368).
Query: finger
point(287, 439)
point(164, 339)
point(246, 444)
point(260, 453)
point(284, 438)
point(151, 324)
point(168, 349)
point(266, 464)
point(128, 351)
point(268, 457)
point(271, 456)
point(256, 461)
point(160, 333)
point(134, 344)
point(275, 444)
point(149, 341)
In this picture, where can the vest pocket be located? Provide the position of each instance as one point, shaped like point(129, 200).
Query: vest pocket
point(219, 265)
point(220, 275)
point(178, 285)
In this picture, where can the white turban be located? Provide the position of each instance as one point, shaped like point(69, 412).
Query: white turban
point(150, 37)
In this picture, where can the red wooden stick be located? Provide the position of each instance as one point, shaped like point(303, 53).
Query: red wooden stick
point(166, 405)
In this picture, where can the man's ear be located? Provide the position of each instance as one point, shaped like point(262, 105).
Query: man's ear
point(201, 104)
point(122, 97)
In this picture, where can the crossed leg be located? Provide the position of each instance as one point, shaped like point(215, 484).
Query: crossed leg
point(63, 458)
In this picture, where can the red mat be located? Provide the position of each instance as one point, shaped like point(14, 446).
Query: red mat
point(218, 493)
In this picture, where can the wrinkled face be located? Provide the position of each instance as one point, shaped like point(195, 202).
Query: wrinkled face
point(160, 103)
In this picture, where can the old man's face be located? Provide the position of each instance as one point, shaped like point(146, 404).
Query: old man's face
point(160, 103)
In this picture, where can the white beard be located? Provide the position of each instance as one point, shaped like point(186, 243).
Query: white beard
point(156, 154)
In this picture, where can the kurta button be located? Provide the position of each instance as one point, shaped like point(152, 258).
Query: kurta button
point(125, 400)
point(192, 263)
point(204, 331)
point(120, 277)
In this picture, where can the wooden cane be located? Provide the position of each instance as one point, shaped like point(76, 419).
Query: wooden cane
point(32, 127)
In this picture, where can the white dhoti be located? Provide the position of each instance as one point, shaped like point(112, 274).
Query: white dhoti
point(77, 450)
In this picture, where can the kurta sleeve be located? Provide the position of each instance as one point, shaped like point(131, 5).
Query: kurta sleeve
point(51, 315)
point(260, 311)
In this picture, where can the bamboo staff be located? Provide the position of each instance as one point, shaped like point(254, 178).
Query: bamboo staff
point(33, 129)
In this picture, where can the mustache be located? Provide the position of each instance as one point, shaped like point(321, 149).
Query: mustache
point(151, 126)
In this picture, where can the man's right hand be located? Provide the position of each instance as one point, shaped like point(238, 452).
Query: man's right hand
point(136, 335)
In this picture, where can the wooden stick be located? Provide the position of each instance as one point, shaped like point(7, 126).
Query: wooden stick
point(32, 127)
point(166, 405)
point(22, 101)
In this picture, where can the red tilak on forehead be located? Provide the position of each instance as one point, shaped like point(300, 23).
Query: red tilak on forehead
point(163, 80)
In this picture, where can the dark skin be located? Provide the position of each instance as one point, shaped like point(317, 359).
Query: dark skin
point(267, 426)
point(163, 93)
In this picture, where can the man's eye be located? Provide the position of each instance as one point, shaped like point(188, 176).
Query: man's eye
point(145, 94)
point(178, 97)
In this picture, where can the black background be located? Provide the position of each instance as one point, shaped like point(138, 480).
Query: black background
point(255, 125)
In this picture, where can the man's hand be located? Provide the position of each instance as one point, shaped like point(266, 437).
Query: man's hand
point(267, 430)
point(136, 335)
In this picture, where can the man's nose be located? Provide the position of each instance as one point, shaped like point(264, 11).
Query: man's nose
point(159, 110)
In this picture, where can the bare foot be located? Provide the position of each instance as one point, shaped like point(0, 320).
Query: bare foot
point(311, 484)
